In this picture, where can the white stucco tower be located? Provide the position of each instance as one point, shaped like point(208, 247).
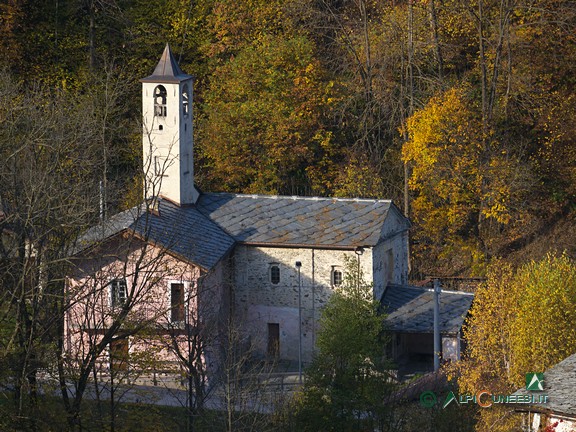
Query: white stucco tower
point(167, 132)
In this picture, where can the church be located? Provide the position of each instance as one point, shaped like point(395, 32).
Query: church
point(263, 264)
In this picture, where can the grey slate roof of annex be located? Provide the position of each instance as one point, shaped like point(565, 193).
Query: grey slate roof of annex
point(182, 230)
point(167, 70)
point(411, 309)
point(559, 385)
point(297, 221)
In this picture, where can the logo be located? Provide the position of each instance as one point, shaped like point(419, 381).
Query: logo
point(485, 398)
point(535, 381)
point(428, 399)
point(449, 398)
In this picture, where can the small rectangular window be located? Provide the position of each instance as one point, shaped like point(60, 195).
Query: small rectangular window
point(275, 274)
point(118, 292)
point(177, 302)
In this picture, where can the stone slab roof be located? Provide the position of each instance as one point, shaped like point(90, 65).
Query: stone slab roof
point(203, 233)
point(182, 230)
point(559, 385)
point(298, 221)
point(411, 309)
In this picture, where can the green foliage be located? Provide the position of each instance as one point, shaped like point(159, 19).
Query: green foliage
point(351, 329)
point(348, 379)
point(522, 321)
point(51, 416)
point(263, 117)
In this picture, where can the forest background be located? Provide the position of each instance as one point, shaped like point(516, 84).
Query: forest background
point(462, 112)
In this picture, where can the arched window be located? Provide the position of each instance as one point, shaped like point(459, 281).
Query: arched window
point(160, 101)
point(185, 100)
point(275, 274)
point(337, 276)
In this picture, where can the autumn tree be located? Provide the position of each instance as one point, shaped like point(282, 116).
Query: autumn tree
point(383, 57)
point(522, 321)
point(263, 118)
point(59, 174)
point(250, 387)
point(114, 296)
point(193, 333)
point(120, 324)
point(48, 176)
point(457, 183)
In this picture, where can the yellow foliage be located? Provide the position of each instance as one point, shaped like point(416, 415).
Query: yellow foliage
point(357, 179)
point(263, 122)
point(443, 153)
point(521, 321)
point(460, 177)
point(547, 333)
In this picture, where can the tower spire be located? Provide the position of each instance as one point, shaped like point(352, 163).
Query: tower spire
point(167, 142)
point(167, 69)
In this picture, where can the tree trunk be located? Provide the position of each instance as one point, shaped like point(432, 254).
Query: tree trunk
point(434, 25)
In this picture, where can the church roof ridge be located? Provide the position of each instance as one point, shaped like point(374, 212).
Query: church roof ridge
point(299, 197)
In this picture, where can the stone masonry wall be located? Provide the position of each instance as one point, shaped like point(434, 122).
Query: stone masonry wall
point(259, 302)
point(390, 263)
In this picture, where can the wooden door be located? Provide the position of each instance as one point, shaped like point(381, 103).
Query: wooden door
point(119, 355)
point(177, 302)
point(273, 339)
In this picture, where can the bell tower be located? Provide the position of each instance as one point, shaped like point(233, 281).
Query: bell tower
point(167, 140)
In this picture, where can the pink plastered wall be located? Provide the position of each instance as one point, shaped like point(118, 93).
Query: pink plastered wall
point(145, 318)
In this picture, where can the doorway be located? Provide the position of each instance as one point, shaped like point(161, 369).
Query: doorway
point(273, 340)
point(119, 355)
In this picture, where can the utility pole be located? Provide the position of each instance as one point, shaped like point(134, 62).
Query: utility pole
point(437, 348)
point(358, 251)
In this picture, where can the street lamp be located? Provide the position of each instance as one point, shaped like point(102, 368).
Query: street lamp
point(299, 266)
point(358, 251)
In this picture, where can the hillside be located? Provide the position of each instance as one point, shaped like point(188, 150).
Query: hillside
point(462, 112)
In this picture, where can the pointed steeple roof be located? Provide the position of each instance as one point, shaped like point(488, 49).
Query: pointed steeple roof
point(167, 69)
